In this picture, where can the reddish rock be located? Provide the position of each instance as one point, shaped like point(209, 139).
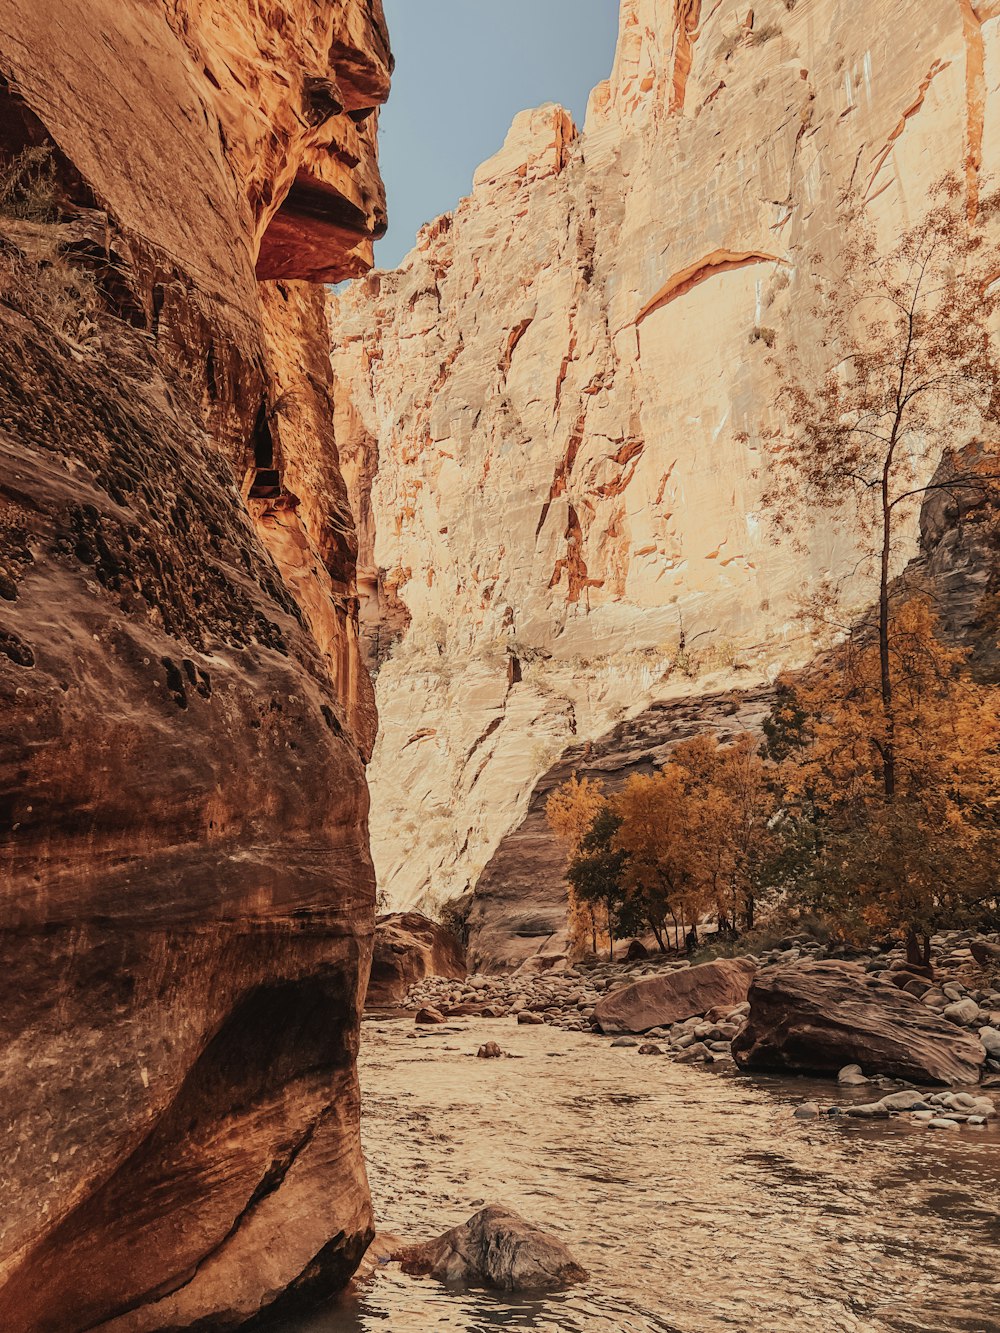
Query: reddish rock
point(186, 893)
point(428, 1016)
point(409, 947)
point(673, 996)
point(818, 1017)
point(496, 1248)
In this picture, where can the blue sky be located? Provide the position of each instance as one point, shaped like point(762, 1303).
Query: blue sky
point(464, 68)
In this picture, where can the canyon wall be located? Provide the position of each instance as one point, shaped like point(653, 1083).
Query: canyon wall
point(550, 415)
point(186, 892)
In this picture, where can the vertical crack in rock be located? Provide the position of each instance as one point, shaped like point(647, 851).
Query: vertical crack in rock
point(687, 15)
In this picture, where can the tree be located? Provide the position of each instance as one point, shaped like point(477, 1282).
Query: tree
point(733, 802)
point(658, 833)
point(924, 855)
point(570, 811)
point(595, 871)
point(913, 369)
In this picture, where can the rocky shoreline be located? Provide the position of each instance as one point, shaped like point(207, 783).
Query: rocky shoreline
point(958, 1004)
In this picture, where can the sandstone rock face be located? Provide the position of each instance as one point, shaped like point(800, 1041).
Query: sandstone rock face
point(409, 947)
point(186, 894)
point(496, 1248)
point(550, 413)
point(818, 1017)
point(659, 1001)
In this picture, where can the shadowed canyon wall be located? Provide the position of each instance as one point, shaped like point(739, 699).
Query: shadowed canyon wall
point(186, 892)
point(550, 415)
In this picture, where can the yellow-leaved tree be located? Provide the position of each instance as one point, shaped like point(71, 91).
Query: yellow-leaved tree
point(923, 855)
point(571, 810)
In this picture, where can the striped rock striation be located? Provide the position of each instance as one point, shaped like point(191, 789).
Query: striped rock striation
point(186, 892)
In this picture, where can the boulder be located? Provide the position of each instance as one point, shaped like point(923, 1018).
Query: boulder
point(489, 1051)
point(496, 1248)
point(428, 1016)
point(635, 950)
point(409, 947)
point(985, 953)
point(662, 1000)
point(818, 1017)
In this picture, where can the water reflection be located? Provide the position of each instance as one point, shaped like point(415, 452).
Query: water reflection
point(695, 1200)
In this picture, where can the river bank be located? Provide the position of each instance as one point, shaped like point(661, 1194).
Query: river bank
point(696, 1200)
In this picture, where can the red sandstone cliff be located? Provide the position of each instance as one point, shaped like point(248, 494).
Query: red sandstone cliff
point(186, 894)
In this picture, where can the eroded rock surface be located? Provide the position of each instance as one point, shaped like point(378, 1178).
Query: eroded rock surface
point(409, 947)
point(551, 411)
point(818, 1017)
point(186, 894)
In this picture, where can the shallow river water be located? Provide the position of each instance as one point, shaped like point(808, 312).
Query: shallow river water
point(693, 1197)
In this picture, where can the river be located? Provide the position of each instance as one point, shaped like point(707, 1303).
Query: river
point(694, 1198)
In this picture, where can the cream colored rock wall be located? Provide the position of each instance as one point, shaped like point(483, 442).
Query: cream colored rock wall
point(565, 382)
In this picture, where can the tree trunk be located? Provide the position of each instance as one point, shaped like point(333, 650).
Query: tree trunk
point(918, 948)
point(888, 747)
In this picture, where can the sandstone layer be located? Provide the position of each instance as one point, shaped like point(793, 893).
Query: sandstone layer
point(186, 893)
point(551, 413)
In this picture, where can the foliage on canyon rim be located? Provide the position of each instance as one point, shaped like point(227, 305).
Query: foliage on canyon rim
point(915, 380)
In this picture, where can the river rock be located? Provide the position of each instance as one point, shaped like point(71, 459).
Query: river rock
point(527, 1018)
point(489, 1051)
point(428, 1016)
point(496, 1248)
point(818, 1016)
point(990, 1038)
point(670, 997)
point(408, 947)
point(964, 1012)
point(851, 1076)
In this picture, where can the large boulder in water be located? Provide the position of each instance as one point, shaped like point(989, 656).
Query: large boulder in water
point(496, 1248)
point(670, 998)
point(818, 1017)
point(409, 947)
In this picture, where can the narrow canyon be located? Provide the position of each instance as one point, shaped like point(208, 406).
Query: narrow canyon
point(322, 585)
